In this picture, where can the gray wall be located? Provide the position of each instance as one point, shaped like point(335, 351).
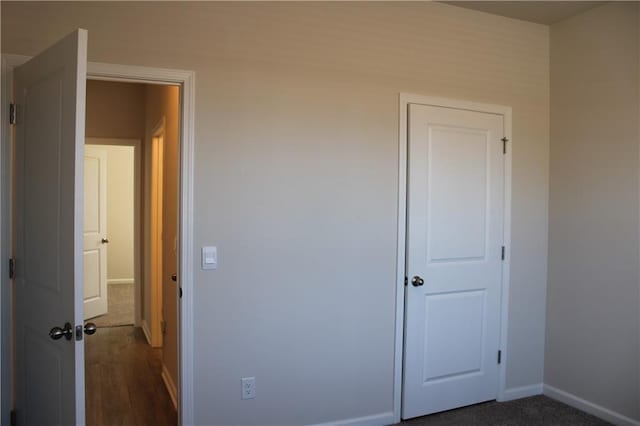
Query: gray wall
point(296, 179)
point(593, 331)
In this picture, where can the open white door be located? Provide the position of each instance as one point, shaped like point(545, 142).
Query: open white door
point(95, 232)
point(454, 258)
point(50, 98)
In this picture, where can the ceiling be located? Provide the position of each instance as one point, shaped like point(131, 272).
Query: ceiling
point(541, 12)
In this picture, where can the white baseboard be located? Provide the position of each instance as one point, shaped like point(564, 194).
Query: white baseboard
point(120, 281)
point(146, 331)
point(589, 407)
point(522, 392)
point(170, 385)
point(374, 420)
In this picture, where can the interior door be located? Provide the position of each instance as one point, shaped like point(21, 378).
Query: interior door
point(454, 254)
point(50, 98)
point(95, 232)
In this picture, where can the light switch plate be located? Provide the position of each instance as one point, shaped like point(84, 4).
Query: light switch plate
point(209, 257)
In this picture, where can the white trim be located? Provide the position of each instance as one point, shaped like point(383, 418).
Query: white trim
point(506, 264)
point(400, 260)
point(522, 392)
point(145, 329)
point(114, 72)
point(170, 385)
point(404, 100)
point(136, 74)
point(185, 264)
point(589, 407)
point(13, 61)
point(374, 420)
point(159, 129)
point(154, 218)
point(120, 281)
point(137, 211)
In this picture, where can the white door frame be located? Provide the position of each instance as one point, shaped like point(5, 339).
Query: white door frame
point(137, 209)
point(406, 99)
point(132, 74)
point(154, 333)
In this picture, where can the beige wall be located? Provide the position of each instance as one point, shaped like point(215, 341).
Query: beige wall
point(296, 177)
point(115, 110)
point(163, 102)
point(592, 306)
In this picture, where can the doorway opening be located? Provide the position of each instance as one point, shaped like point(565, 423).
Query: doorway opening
point(111, 231)
point(131, 252)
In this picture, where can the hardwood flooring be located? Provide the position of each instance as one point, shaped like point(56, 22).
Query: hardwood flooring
point(123, 382)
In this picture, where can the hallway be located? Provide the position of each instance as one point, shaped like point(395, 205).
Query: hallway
point(123, 382)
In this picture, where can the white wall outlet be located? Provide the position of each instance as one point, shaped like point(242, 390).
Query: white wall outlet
point(248, 387)
point(209, 257)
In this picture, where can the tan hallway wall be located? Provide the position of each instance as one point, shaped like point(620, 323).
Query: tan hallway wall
point(593, 329)
point(163, 102)
point(296, 179)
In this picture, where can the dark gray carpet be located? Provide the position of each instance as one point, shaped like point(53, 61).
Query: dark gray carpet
point(537, 410)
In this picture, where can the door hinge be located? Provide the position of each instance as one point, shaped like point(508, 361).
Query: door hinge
point(499, 357)
point(504, 145)
point(12, 268)
point(13, 418)
point(503, 251)
point(406, 281)
point(180, 292)
point(12, 113)
point(163, 327)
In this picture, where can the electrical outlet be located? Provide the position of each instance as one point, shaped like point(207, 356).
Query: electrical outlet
point(248, 387)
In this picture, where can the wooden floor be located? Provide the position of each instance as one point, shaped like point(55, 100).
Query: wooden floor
point(123, 382)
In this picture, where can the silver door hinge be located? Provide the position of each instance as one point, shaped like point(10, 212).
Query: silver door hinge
point(12, 113)
point(499, 357)
point(12, 268)
point(504, 144)
point(503, 250)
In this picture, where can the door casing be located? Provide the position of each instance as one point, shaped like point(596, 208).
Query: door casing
point(154, 334)
point(404, 100)
point(122, 73)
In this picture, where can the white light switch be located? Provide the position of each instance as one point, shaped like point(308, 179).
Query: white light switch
point(209, 257)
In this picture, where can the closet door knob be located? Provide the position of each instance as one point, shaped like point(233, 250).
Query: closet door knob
point(417, 281)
